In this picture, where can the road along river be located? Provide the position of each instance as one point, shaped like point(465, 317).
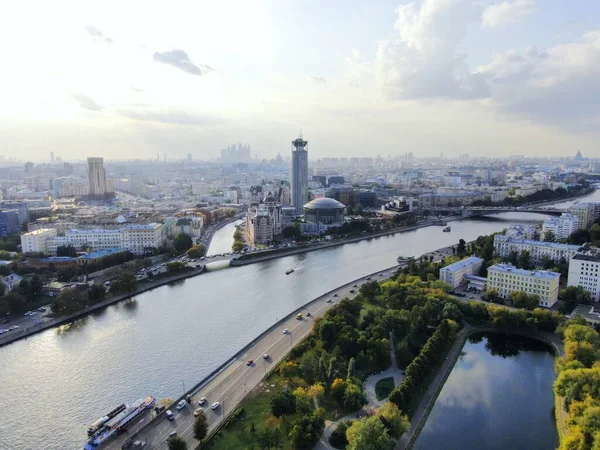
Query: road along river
point(55, 383)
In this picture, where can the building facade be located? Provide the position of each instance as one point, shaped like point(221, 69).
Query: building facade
point(299, 175)
point(584, 271)
point(99, 186)
point(562, 227)
point(505, 245)
point(585, 212)
point(263, 221)
point(454, 273)
point(324, 211)
point(35, 241)
point(505, 279)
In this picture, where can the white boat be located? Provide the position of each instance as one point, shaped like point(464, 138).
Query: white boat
point(447, 229)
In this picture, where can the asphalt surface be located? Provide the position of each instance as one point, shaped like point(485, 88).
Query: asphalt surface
point(231, 385)
point(24, 322)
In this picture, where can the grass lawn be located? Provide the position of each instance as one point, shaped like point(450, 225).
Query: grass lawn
point(384, 387)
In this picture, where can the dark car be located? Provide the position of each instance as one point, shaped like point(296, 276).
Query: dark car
point(352, 291)
point(250, 362)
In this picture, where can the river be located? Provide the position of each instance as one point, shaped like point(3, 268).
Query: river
point(498, 396)
point(55, 383)
point(222, 240)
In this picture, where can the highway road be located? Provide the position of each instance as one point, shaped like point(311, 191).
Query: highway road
point(231, 385)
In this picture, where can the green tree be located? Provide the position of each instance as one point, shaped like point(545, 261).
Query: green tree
point(354, 397)
point(66, 250)
point(177, 443)
point(182, 243)
point(393, 420)
point(549, 236)
point(96, 293)
point(16, 302)
point(368, 434)
point(289, 369)
point(524, 261)
point(595, 234)
point(520, 299)
point(197, 251)
point(307, 430)
point(283, 404)
point(573, 296)
point(269, 438)
point(490, 295)
point(124, 283)
point(238, 240)
point(338, 437)
point(200, 427)
point(351, 366)
point(462, 247)
point(338, 389)
point(68, 301)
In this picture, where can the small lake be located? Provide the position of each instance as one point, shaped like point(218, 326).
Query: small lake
point(498, 396)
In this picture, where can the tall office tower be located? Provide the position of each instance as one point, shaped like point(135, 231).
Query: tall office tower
point(97, 177)
point(299, 175)
point(52, 157)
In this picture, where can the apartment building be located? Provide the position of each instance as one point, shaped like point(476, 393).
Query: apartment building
point(562, 227)
point(454, 273)
point(35, 241)
point(506, 278)
point(142, 239)
point(586, 213)
point(584, 271)
point(505, 245)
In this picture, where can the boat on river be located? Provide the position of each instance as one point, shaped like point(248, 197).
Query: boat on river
point(447, 229)
point(289, 271)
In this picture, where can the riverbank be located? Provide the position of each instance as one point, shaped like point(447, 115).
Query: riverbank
point(61, 320)
point(430, 396)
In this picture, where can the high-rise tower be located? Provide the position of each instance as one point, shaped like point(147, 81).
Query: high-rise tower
point(299, 175)
point(97, 177)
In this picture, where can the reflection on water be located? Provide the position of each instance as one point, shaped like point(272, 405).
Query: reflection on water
point(77, 325)
point(497, 397)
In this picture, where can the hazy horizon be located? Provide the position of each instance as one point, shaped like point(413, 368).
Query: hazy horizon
point(130, 80)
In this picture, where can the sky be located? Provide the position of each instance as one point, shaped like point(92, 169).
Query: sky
point(131, 79)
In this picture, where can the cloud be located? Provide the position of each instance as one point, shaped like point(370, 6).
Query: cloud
point(134, 89)
point(423, 61)
point(98, 35)
point(86, 102)
point(321, 80)
point(168, 116)
point(180, 59)
point(507, 12)
point(557, 86)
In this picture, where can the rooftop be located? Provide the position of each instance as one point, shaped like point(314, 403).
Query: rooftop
point(324, 203)
point(589, 254)
point(509, 268)
point(464, 263)
point(587, 311)
point(102, 253)
point(513, 240)
point(40, 231)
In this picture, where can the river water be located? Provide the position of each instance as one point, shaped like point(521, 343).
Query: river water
point(223, 239)
point(498, 396)
point(53, 384)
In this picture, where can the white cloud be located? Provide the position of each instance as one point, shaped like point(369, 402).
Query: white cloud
point(558, 86)
point(507, 12)
point(424, 60)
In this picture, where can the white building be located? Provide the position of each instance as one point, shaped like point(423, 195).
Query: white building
point(584, 271)
point(142, 239)
point(454, 273)
point(35, 241)
point(585, 212)
point(521, 232)
point(96, 239)
point(11, 281)
point(505, 245)
point(562, 227)
point(505, 278)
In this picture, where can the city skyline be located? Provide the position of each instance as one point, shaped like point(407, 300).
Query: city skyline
point(453, 76)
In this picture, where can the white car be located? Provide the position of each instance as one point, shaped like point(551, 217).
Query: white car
point(181, 404)
point(202, 401)
point(14, 327)
point(286, 331)
point(266, 356)
point(215, 405)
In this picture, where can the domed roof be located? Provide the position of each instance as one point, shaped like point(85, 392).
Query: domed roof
point(324, 203)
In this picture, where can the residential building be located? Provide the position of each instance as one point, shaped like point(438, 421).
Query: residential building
point(588, 312)
point(454, 273)
point(142, 239)
point(35, 241)
point(562, 227)
point(506, 278)
point(585, 212)
point(299, 175)
point(11, 281)
point(263, 221)
point(98, 185)
point(505, 245)
point(584, 271)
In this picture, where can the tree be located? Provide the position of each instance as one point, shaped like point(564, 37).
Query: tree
point(393, 420)
point(302, 399)
point(338, 437)
point(182, 242)
point(524, 261)
point(177, 443)
point(490, 295)
point(307, 430)
point(316, 390)
point(66, 250)
point(368, 434)
point(354, 397)
point(96, 293)
point(68, 301)
point(283, 404)
point(338, 389)
point(16, 302)
point(462, 247)
point(549, 236)
point(66, 273)
point(289, 369)
point(124, 283)
point(197, 251)
point(200, 427)
point(370, 290)
point(269, 437)
point(573, 296)
point(520, 299)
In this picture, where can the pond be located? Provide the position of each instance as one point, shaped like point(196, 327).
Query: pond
point(498, 396)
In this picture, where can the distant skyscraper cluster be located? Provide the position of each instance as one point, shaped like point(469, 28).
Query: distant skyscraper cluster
point(236, 154)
